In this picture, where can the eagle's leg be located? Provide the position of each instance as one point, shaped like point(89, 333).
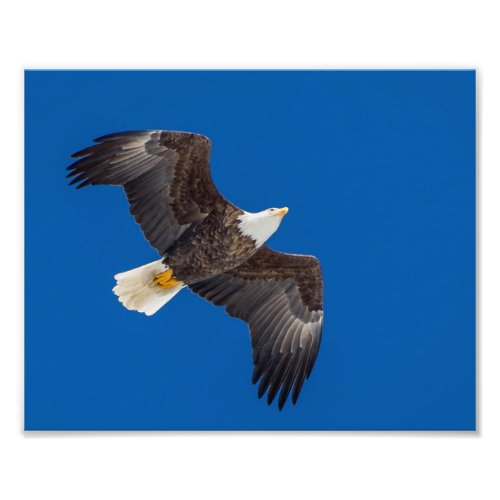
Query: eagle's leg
point(166, 279)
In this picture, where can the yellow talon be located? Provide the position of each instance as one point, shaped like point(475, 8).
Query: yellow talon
point(166, 279)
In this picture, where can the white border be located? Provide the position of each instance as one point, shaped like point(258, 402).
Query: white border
point(260, 34)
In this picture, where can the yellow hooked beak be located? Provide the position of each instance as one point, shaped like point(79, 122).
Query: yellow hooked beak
point(282, 211)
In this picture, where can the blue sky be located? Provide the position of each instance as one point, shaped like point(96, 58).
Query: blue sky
point(378, 169)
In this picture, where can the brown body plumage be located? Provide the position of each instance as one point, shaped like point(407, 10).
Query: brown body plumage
point(194, 260)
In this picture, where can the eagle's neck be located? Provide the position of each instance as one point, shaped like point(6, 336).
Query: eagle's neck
point(259, 226)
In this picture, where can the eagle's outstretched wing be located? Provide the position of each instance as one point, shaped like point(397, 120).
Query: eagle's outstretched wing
point(280, 296)
point(165, 175)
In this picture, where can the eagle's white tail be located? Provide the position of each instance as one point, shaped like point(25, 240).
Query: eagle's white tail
point(137, 289)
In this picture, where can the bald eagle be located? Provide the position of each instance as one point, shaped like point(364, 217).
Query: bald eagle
point(212, 247)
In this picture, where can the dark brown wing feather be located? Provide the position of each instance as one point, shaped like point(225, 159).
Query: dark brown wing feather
point(165, 175)
point(280, 296)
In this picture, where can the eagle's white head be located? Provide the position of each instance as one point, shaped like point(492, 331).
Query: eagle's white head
point(261, 225)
